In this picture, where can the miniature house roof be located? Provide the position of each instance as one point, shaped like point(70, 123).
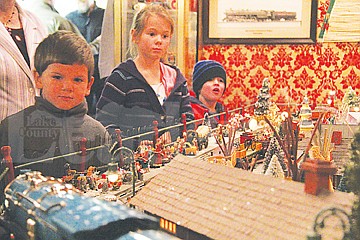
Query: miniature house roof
point(229, 203)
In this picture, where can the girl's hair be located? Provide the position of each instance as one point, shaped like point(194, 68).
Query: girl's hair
point(66, 48)
point(140, 20)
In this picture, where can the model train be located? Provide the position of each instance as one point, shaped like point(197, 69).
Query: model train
point(41, 208)
point(258, 15)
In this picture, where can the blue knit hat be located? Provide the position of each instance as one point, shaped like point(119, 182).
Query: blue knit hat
point(206, 70)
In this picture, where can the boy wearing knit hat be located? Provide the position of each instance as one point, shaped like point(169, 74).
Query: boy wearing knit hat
point(209, 84)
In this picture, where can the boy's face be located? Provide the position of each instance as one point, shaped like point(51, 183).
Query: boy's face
point(64, 86)
point(213, 89)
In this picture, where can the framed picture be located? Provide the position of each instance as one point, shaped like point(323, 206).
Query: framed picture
point(259, 21)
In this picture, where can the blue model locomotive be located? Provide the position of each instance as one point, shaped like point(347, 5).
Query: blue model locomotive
point(43, 208)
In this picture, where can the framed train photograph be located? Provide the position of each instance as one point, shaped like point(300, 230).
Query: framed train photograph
point(258, 21)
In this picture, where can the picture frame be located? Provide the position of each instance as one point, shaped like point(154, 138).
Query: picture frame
point(258, 21)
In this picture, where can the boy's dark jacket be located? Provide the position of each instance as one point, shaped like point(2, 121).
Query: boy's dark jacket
point(43, 131)
point(128, 102)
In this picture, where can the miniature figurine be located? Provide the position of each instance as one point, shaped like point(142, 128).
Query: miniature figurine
point(69, 174)
point(81, 183)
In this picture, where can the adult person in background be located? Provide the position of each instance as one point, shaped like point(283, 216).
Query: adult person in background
point(20, 33)
point(89, 19)
point(51, 18)
point(209, 84)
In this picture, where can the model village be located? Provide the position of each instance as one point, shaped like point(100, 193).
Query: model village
point(282, 161)
point(266, 172)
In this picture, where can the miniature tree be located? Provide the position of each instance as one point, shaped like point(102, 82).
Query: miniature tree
point(275, 169)
point(343, 184)
point(262, 104)
point(351, 179)
point(262, 107)
point(274, 150)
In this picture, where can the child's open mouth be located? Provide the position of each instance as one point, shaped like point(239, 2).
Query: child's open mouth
point(216, 90)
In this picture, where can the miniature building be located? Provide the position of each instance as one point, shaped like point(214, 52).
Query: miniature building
point(218, 202)
point(317, 173)
point(306, 125)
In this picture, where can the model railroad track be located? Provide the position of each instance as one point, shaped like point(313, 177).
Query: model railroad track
point(127, 193)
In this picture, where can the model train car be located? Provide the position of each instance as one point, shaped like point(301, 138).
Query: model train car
point(43, 208)
point(258, 15)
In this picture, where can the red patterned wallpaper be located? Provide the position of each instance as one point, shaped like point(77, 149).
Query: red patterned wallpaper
point(293, 70)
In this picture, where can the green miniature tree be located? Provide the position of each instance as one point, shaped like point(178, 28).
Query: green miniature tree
point(275, 168)
point(274, 150)
point(262, 104)
point(351, 180)
point(288, 142)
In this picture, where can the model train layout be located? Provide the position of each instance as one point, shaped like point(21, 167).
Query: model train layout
point(39, 207)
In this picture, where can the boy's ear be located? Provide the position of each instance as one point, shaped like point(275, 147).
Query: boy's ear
point(38, 82)
point(89, 85)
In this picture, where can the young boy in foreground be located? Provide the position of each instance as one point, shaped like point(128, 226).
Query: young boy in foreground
point(57, 122)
